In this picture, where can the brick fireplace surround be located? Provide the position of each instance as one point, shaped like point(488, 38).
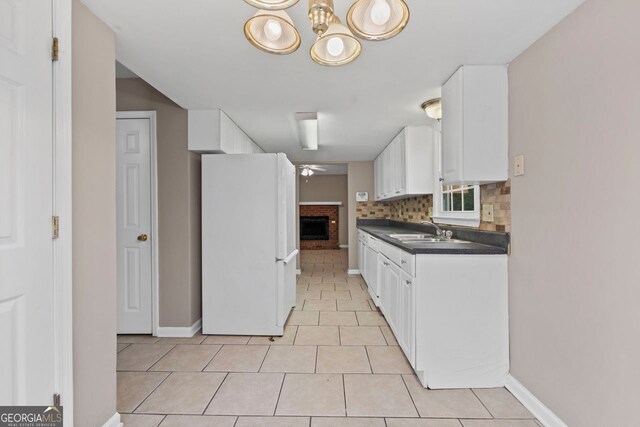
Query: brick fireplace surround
point(322, 210)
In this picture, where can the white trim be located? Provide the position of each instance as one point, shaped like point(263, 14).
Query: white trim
point(155, 273)
point(320, 203)
point(467, 222)
point(62, 207)
point(535, 406)
point(344, 246)
point(179, 332)
point(114, 421)
point(353, 271)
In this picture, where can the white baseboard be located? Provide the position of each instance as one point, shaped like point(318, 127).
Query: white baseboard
point(113, 421)
point(344, 246)
point(298, 272)
point(179, 332)
point(353, 271)
point(536, 407)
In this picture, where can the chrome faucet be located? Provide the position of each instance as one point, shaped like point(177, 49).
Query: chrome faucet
point(447, 234)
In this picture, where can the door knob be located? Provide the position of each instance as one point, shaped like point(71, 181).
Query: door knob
point(143, 237)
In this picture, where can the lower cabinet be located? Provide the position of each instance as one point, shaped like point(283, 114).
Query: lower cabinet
point(450, 317)
point(407, 317)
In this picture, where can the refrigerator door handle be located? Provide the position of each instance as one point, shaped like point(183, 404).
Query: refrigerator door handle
point(288, 259)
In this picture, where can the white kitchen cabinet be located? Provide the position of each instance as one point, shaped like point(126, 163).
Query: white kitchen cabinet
point(213, 132)
point(405, 166)
point(407, 317)
point(449, 314)
point(474, 145)
point(392, 282)
point(362, 257)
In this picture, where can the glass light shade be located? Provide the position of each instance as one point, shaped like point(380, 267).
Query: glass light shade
point(368, 18)
point(273, 32)
point(272, 4)
point(336, 47)
point(433, 108)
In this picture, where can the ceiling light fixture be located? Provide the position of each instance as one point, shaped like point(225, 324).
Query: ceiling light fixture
point(272, 4)
point(272, 31)
point(306, 172)
point(378, 19)
point(337, 46)
point(433, 108)
point(308, 130)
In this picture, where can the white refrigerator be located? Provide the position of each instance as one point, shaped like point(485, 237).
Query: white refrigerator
point(248, 243)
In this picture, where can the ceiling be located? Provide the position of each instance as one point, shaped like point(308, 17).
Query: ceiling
point(195, 53)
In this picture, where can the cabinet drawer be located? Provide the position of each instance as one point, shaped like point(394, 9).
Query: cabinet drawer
point(373, 243)
point(390, 252)
point(408, 263)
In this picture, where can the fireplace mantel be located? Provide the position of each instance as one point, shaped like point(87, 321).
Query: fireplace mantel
point(320, 203)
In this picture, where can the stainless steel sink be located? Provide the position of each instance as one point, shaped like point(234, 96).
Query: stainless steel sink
point(423, 238)
point(412, 236)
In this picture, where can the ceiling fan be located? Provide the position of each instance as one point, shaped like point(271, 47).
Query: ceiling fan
point(308, 170)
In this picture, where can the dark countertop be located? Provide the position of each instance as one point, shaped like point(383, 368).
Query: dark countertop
point(476, 242)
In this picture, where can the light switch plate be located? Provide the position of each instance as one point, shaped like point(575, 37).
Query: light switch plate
point(487, 213)
point(518, 165)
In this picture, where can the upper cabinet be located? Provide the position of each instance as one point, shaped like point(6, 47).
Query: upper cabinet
point(475, 125)
point(212, 131)
point(405, 167)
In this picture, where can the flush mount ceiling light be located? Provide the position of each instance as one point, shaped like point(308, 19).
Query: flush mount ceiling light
point(308, 130)
point(433, 108)
point(377, 19)
point(272, 4)
point(272, 31)
point(337, 46)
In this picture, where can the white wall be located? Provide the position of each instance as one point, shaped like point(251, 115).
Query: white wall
point(574, 271)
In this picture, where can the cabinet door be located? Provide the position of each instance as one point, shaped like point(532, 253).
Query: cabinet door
point(393, 285)
point(382, 265)
point(360, 257)
point(376, 178)
point(400, 167)
point(372, 270)
point(452, 127)
point(407, 315)
point(363, 258)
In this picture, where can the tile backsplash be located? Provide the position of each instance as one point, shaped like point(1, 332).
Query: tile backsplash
point(415, 209)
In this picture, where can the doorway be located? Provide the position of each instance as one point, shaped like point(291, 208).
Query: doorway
point(136, 222)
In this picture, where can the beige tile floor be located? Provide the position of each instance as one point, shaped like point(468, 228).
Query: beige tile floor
point(337, 364)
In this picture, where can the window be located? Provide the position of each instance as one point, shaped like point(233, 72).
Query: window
point(455, 204)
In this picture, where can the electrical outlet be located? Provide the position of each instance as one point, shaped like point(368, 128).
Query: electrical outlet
point(487, 213)
point(518, 165)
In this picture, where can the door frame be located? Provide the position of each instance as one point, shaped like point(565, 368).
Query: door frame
point(153, 152)
point(62, 207)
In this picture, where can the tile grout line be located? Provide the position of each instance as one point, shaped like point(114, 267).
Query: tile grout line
point(481, 402)
point(152, 391)
point(410, 396)
point(275, 409)
point(204, 411)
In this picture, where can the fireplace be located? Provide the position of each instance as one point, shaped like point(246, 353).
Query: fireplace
point(314, 228)
point(318, 226)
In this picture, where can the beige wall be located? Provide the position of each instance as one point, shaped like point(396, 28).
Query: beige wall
point(178, 203)
point(574, 277)
point(360, 178)
point(94, 219)
point(328, 188)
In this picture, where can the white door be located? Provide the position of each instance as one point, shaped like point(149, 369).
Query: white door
point(26, 204)
point(133, 204)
